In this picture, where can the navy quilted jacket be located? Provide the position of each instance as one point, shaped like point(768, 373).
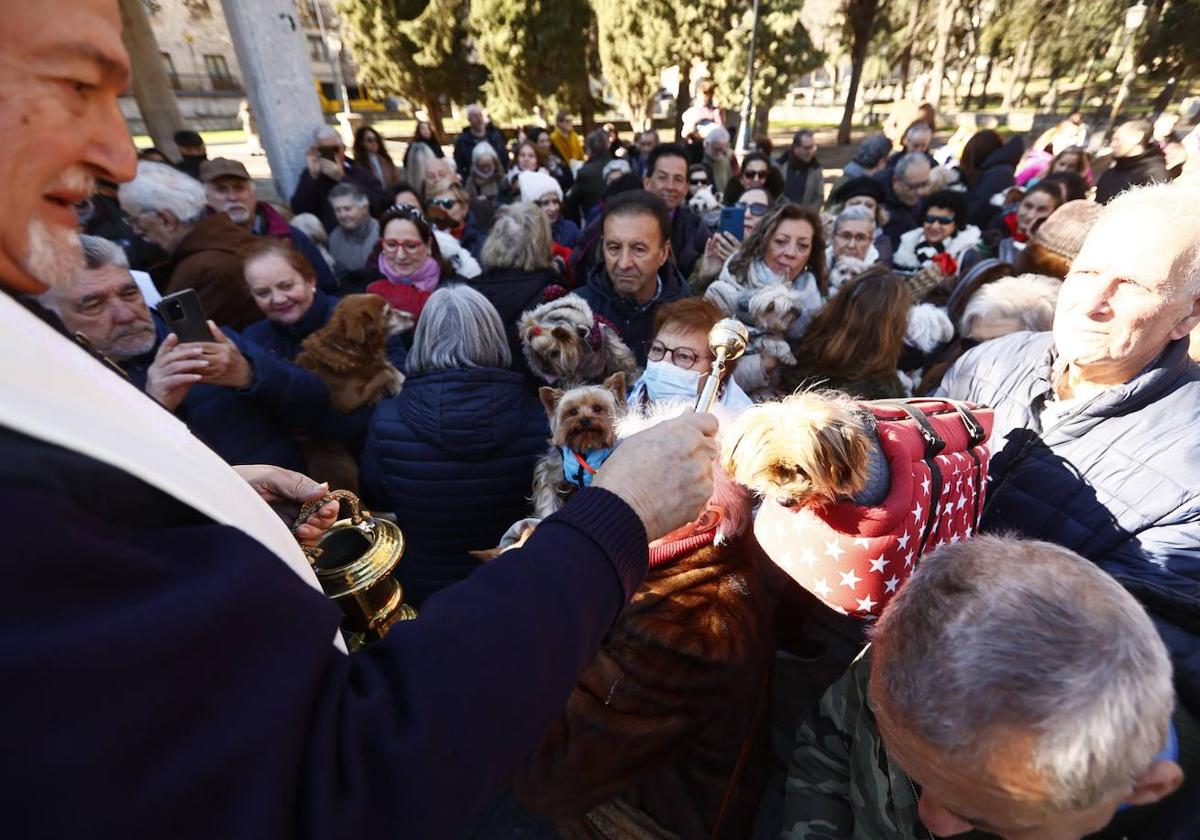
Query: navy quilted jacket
point(1117, 480)
point(452, 455)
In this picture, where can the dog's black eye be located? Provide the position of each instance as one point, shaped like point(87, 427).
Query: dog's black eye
point(582, 331)
point(573, 412)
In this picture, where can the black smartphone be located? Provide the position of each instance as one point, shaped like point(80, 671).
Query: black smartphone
point(184, 315)
point(733, 221)
point(327, 152)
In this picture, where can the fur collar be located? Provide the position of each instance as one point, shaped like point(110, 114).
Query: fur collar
point(913, 252)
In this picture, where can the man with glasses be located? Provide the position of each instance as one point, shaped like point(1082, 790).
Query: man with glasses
point(327, 167)
point(903, 188)
point(804, 180)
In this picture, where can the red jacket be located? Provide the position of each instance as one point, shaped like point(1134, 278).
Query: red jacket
point(403, 296)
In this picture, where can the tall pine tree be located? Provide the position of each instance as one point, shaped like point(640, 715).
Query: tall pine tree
point(420, 59)
point(637, 39)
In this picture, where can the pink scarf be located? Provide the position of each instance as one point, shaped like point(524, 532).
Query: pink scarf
point(425, 278)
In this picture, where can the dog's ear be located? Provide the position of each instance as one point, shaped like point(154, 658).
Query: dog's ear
point(616, 384)
point(561, 333)
point(550, 397)
point(357, 323)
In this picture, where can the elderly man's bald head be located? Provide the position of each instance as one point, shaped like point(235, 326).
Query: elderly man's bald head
point(1134, 288)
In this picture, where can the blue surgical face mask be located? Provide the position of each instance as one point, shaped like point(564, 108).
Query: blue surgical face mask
point(665, 382)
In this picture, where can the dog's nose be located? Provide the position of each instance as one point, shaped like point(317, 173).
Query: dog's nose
point(585, 422)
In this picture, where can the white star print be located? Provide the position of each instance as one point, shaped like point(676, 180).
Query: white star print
point(779, 530)
point(903, 541)
point(821, 588)
point(865, 604)
point(954, 538)
point(861, 542)
point(925, 484)
point(878, 563)
point(908, 558)
point(834, 550)
point(961, 503)
point(849, 579)
point(808, 558)
point(917, 511)
point(968, 532)
point(891, 584)
point(799, 523)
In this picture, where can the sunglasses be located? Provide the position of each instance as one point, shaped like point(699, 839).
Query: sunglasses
point(410, 246)
point(699, 182)
point(939, 220)
point(444, 203)
point(755, 208)
point(755, 174)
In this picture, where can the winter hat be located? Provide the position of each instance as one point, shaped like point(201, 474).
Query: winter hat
point(872, 150)
point(534, 185)
point(1064, 230)
point(855, 187)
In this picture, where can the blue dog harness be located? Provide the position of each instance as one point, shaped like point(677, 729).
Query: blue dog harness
point(578, 469)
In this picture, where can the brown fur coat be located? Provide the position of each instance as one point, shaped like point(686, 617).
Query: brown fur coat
point(657, 721)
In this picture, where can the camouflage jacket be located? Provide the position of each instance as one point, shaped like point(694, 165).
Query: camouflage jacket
point(841, 785)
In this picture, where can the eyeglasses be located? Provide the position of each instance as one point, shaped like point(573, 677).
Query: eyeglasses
point(754, 174)
point(755, 208)
point(856, 238)
point(444, 203)
point(410, 246)
point(938, 220)
point(682, 357)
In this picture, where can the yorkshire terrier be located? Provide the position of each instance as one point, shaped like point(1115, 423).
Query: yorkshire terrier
point(768, 311)
point(565, 344)
point(583, 422)
point(811, 449)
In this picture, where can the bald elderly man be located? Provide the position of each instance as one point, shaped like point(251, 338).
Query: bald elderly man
point(1095, 445)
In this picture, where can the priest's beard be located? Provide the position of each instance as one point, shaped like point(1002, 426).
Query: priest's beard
point(55, 255)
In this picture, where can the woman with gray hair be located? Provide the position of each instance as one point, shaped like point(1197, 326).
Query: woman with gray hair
point(518, 264)
point(852, 250)
point(452, 455)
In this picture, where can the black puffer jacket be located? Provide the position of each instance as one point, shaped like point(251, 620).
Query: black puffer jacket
point(997, 174)
point(452, 455)
point(1149, 167)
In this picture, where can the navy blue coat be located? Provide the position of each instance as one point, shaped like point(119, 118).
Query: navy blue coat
point(453, 455)
point(251, 426)
point(1117, 480)
point(634, 321)
point(997, 173)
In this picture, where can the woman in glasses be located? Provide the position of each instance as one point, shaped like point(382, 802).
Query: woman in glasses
point(410, 266)
point(931, 253)
point(448, 206)
point(852, 250)
point(757, 173)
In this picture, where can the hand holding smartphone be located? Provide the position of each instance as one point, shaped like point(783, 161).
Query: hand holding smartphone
point(184, 314)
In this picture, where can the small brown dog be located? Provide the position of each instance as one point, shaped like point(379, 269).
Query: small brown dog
point(583, 424)
point(565, 345)
point(810, 449)
point(349, 353)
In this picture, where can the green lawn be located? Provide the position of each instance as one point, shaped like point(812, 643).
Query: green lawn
point(211, 138)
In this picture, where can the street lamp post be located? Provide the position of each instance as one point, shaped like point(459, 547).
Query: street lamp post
point(1135, 16)
point(745, 131)
point(334, 45)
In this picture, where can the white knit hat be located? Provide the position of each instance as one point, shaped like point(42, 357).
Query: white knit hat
point(534, 185)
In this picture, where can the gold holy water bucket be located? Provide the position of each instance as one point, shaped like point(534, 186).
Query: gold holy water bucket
point(354, 561)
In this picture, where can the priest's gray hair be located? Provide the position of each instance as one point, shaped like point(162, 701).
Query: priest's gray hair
point(459, 328)
point(161, 188)
point(997, 636)
point(99, 253)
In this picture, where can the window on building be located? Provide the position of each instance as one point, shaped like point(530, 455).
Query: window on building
point(198, 9)
point(317, 49)
point(218, 72)
point(169, 66)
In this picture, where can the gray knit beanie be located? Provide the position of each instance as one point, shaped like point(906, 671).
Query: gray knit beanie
point(1064, 230)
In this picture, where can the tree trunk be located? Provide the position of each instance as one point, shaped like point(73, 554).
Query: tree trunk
point(1088, 72)
point(1018, 62)
point(1027, 72)
point(587, 113)
point(762, 121)
point(433, 107)
point(683, 98)
point(987, 79)
point(910, 35)
point(864, 21)
point(151, 87)
point(945, 22)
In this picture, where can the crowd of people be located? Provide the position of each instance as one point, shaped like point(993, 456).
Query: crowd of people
point(634, 665)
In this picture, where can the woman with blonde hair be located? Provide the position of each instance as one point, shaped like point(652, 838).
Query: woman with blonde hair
point(854, 344)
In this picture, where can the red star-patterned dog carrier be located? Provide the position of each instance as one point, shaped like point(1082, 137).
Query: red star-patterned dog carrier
point(855, 558)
